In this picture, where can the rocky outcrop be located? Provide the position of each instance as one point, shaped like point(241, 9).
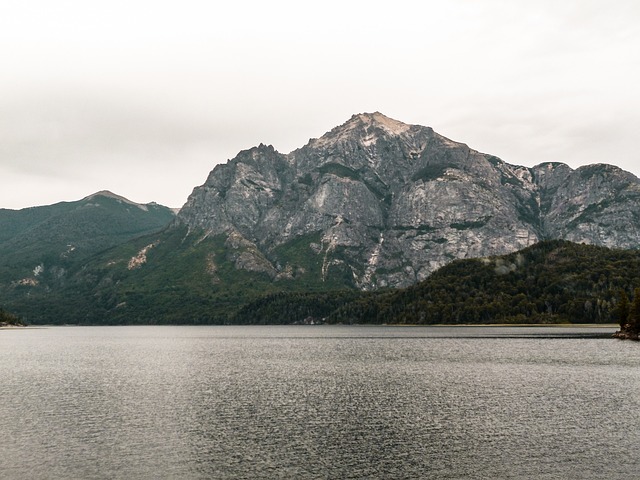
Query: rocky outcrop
point(625, 334)
point(594, 204)
point(392, 202)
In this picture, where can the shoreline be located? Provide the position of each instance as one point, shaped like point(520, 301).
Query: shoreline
point(554, 325)
point(438, 325)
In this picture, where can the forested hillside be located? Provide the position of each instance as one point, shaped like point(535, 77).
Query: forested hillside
point(553, 281)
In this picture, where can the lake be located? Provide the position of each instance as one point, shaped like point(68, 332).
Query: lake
point(318, 402)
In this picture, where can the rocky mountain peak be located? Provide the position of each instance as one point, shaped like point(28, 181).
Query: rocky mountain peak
point(386, 203)
point(366, 128)
point(377, 120)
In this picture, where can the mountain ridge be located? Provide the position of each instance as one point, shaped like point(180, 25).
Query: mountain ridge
point(373, 204)
point(411, 189)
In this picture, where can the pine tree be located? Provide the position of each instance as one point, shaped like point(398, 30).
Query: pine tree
point(623, 308)
point(634, 313)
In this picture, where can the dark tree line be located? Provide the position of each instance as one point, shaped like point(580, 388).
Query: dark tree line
point(294, 307)
point(553, 281)
point(550, 282)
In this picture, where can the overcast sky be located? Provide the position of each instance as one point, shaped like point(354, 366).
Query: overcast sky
point(144, 97)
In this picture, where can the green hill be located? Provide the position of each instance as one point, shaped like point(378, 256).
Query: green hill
point(40, 247)
point(174, 276)
point(550, 282)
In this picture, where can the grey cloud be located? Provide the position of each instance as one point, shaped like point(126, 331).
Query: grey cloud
point(149, 112)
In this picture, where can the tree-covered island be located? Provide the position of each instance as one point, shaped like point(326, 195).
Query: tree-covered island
point(9, 319)
point(628, 313)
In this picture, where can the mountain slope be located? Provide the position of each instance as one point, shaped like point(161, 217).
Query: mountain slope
point(170, 276)
point(39, 246)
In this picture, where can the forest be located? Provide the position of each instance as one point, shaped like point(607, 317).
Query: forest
point(550, 282)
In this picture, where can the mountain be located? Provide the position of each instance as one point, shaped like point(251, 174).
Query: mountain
point(372, 204)
point(387, 203)
point(39, 246)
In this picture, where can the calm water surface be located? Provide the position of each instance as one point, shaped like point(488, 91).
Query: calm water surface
point(318, 402)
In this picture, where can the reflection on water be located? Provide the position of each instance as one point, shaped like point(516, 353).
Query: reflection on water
point(318, 402)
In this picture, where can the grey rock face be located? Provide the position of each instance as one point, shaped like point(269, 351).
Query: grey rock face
point(394, 202)
point(595, 204)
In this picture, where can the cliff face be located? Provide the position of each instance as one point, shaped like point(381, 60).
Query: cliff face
point(594, 204)
point(390, 203)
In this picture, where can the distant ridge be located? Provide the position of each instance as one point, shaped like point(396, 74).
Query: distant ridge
point(41, 247)
point(108, 194)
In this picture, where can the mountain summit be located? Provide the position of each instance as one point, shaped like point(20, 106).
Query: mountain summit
point(367, 126)
point(387, 203)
